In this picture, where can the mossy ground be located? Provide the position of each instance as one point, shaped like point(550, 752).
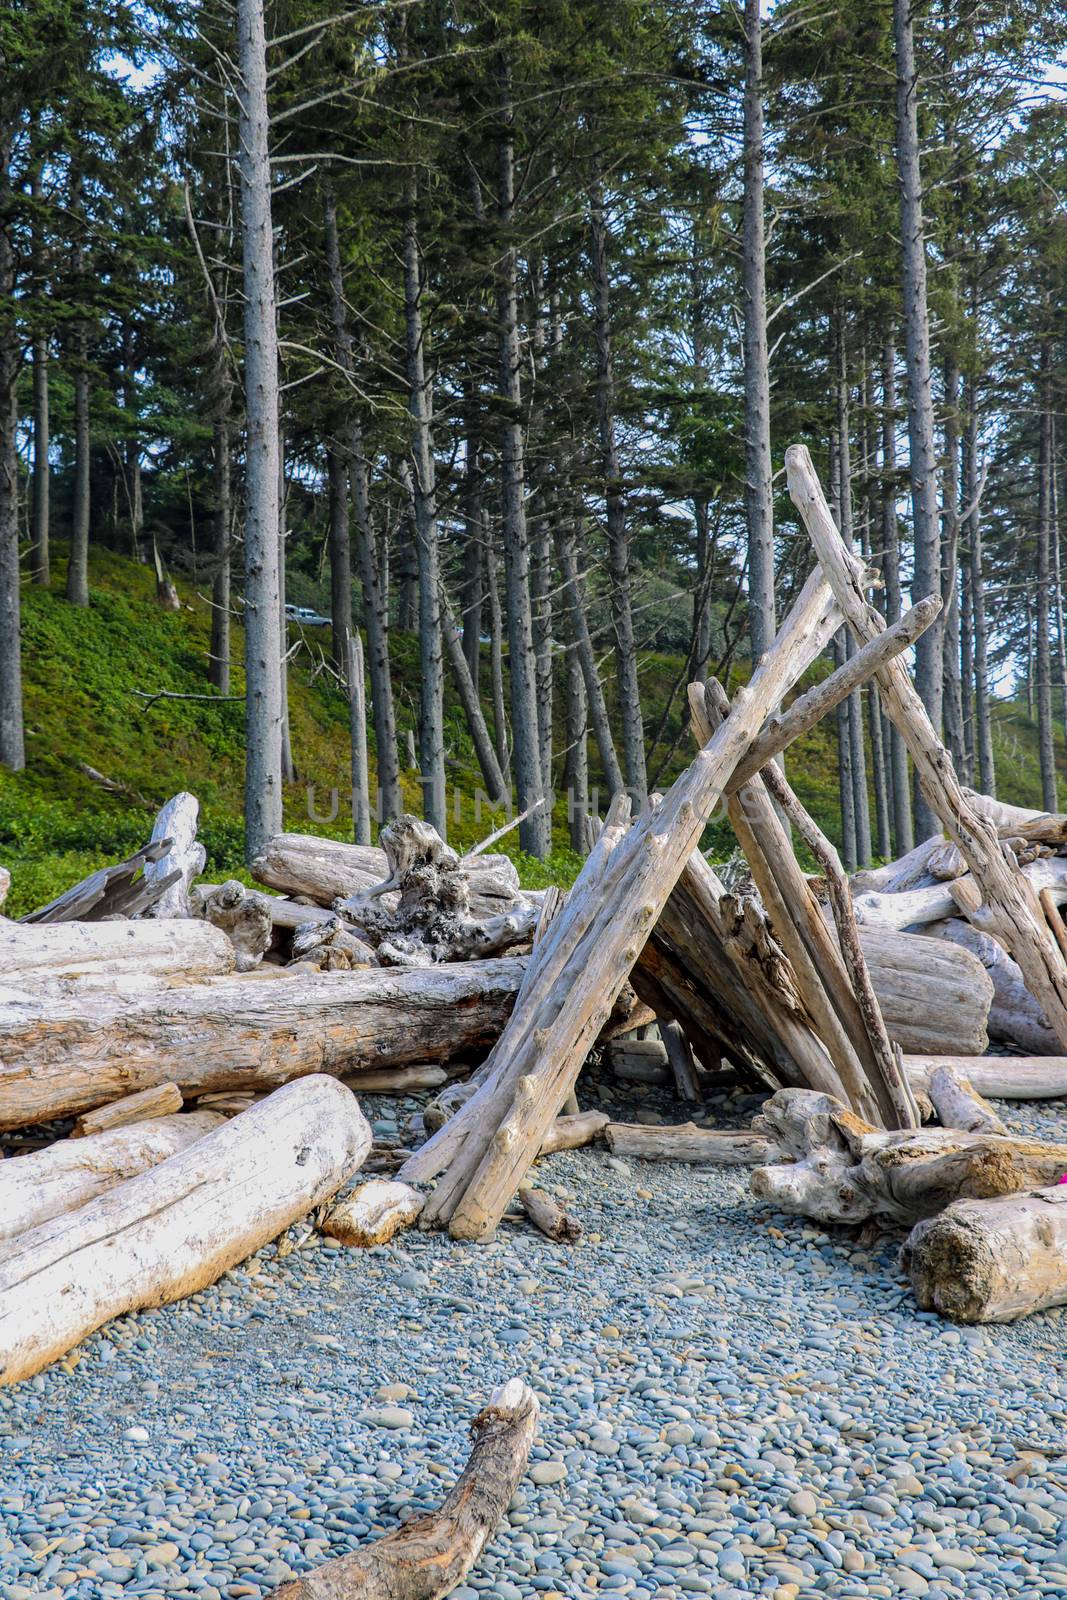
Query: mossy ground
point(82, 669)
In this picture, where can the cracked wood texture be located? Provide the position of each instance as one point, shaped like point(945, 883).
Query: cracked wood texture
point(1009, 905)
point(427, 1557)
point(992, 1260)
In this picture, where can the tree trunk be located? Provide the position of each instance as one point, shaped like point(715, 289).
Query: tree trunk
point(221, 519)
point(263, 605)
point(983, 728)
point(583, 644)
point(923, 448)
point(759, 500)
point(41, 570)
point(12, 740)
point(357, 729)
point(1057, 586)
point(179, 1226)
point(857, 753)
point(424, 495)
point(576, 759)
point(633, 734)
point(288, 765)
point(898, 755)
point(496, 655)
point(473, 558)
point(340, 551)
point(78, 561)
point(472, 707)
point(950, 587)
point(535, 833)
point(1043, 653)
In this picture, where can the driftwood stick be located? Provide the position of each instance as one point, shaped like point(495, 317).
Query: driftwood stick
point(548, 1215)
point(784, 727)
point(959, 1105)
point(161, 1101)
point(711, 1147)
point(680, 1056)
point(1011, 909)
point(373, 1213)
point(427, 1557)
point(571, 1133)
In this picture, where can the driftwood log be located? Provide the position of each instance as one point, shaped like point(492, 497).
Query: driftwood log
point(958, 1103)
point(330, 869)
point(178, 1226)
point(46, 952)
point(162, 1101)
point(992, 1260)
point(177, 821)
point(1015, 1017)
point(548, 1216)
point(710, 1147)
point(1000, 1077)
point(68, 1174)
point(571, 1133)
point(62, 1057)
point(373, 1213)
point(579, 967)
point(121, 890)
point(935, 996)
point(915, 908)
point(844, 1171)
point(332, 945)
point(429, 1555)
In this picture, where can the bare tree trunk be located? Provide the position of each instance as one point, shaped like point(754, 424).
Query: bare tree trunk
point(12, 741)
point(759, 500)
point(983, 730)
point(78, 562)
point(950, 588)
point(472, 707)
point(1057, 588)
point(898, 755)
point(598, 711)
point(496, 653)
point(535, 832)
point(288, 765)
point(424, 493)
point(541, 589)
point(473, 560)
point(633, 733)
point(221, 518)
point(263, 605)
point(845, 786)
point(858, 758)
point(357, 727)
point(41, 570)
point(576, 761)
point(1046, 746)
point(340, 551)
point(923, 449)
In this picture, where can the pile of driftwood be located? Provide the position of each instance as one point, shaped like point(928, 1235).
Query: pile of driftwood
point(180, 1062)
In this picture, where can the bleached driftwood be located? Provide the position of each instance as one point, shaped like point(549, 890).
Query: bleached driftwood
point(915, 908)
point(935, 996)
point(711, 1147)
point(176, 821)
point(580, 966)
point(5, 884)
point(330, 869)
point(397, 1080)
point(69, 1173)
point(332, 946)
point(373, 1213)
point(959, 1105)
point(680, 1056)
point(1015, 1017)
point(844, 1171)
point(161, 1101)
point(428, 1556)
point(120, 890)
point(1009, 906)
point(64, 1056)
point(1001, 1077)
point(243, 916)
point(173, 1229)
point(548, 1216)
point(992, 1260)
point(42, 953)
point(572, 1132)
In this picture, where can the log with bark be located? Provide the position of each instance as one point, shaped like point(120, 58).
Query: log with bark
point(710, 1147)
point(429, 1555)
point(581, 964)
point(161, 1101)
point(327, 870)
point(105, 950)
point(69, 1173)
point(844, 1171)
point(60, 1057)
point(372, 1214)
point(179, 1226)
point(992, 1260)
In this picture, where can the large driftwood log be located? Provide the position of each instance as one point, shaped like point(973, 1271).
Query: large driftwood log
point(432, 920)
point(992, 1260)
point(710, 1147)
point(427, 1557)
point(61, 1057)
point(1009, 906)
point(935, 997)
point(71, 1172)
point(373, 1213)
point(844, 1171)
point(329, 869)
point(176, 821)
point(121, 890)
point(1000, 1077)
point(1015, 1017)
point(915, 908)
point(581, 964)
point(162, 1101)
point(179, 1226)
point(41, 953)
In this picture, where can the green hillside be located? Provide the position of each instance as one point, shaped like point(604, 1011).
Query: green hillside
point(84, 668)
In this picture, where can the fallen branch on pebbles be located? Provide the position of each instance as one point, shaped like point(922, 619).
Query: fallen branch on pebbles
point(427, 1557)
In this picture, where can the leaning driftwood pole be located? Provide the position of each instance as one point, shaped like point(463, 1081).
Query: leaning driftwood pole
point(179, 1226)
point(427, 1557)
point(1010, 910)
point(583, 961)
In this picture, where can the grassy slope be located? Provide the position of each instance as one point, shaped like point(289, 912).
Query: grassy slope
point(81, 668)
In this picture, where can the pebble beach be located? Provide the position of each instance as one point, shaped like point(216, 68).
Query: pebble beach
point(734, 1403)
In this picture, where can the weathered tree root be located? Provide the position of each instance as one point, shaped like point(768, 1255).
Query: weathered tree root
point(427, 1557)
